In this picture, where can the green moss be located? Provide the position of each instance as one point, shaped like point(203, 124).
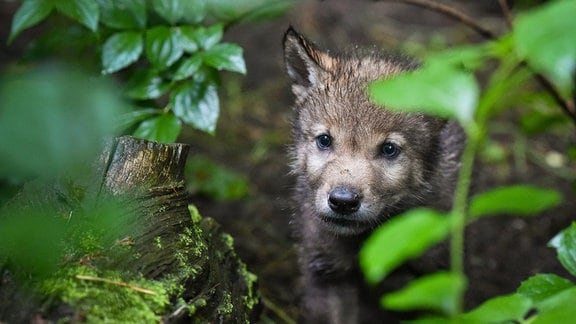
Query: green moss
point(194, 214)
point(158, 242)
point(109, 296)
point(251, 299)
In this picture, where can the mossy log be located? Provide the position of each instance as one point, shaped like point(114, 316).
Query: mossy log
point(168, 242)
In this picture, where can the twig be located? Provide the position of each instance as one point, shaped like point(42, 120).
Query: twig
point(506, 11)
point(117, 283)
point(450, 12)
point(277, 310)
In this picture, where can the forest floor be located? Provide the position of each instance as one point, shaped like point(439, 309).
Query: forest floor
point(253, 135)
point(253, 138)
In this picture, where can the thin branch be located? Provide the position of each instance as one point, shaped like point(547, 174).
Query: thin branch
point(450, 12)
point(117, 283)
point(506, 11)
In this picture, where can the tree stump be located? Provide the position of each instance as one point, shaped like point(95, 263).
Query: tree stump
point(168, 242)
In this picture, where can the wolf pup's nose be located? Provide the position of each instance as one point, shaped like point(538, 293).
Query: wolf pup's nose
point(344, 200)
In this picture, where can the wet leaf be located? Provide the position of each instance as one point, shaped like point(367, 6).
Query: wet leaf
point(438, 292)
point(188, 67)
point(387, 247)
point(147, 85)
point(188, 38)
point(192, 11)
point(543, 286)
point(208, 37)
point(162, 46)
point(120, 50)
point(565, 245)
point(248, 10)
point(30, 13)
point(130, 118)
point(521, 200)
point(197, 104)
point(85, 12)
point(225, 56)
point(123, 14)
point(164, 128)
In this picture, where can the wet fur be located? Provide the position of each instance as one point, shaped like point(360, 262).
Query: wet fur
point(331, 98)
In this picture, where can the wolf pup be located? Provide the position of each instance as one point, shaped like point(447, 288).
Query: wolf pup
point(356, 165)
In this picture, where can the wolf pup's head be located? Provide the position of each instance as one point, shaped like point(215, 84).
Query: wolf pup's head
point(357, 163)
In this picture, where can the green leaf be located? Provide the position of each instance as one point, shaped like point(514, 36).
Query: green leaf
point(565, 245)
point(29, 14)
point(557, 309)
point(120, 50)
point(520, 200)
point(49, 122)
point(147, 84)
point(534, 122)
point(197, 104)
point(542, 37)
point(123, 14)
point(188, 67)
point(468, 57)
point(542, 286)
point(225, 56)
point(192, 11)
point(439, 292)
point(248, 10)
point(85, 12)
point(208, 37)
point(387, 247)
point(502, 309)
point(164, 128)
point(162, 46)
point(130, 118)
point(442, 89)
point(188, 38)
point(210, 178)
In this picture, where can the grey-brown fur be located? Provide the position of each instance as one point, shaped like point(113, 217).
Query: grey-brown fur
point(376, 165)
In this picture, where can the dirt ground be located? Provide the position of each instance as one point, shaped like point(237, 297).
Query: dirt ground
point(253, 135)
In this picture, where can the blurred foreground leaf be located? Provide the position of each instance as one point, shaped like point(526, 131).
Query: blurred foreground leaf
point(388, 247)
point(522, 200)
point(61, 127)
point(438, 292)
point(542, 37)
point(443, 90)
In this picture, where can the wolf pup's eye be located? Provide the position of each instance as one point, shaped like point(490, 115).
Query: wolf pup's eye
point(324, 141)
point(390, 150)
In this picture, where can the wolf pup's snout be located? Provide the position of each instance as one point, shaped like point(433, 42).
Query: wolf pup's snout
point(344, 200)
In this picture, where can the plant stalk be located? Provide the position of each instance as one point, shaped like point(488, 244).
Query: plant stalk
point(460, 206)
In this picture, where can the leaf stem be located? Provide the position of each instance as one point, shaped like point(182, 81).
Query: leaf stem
point(460, 205)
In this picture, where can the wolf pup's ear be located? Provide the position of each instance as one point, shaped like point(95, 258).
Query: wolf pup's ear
point(305, 63)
